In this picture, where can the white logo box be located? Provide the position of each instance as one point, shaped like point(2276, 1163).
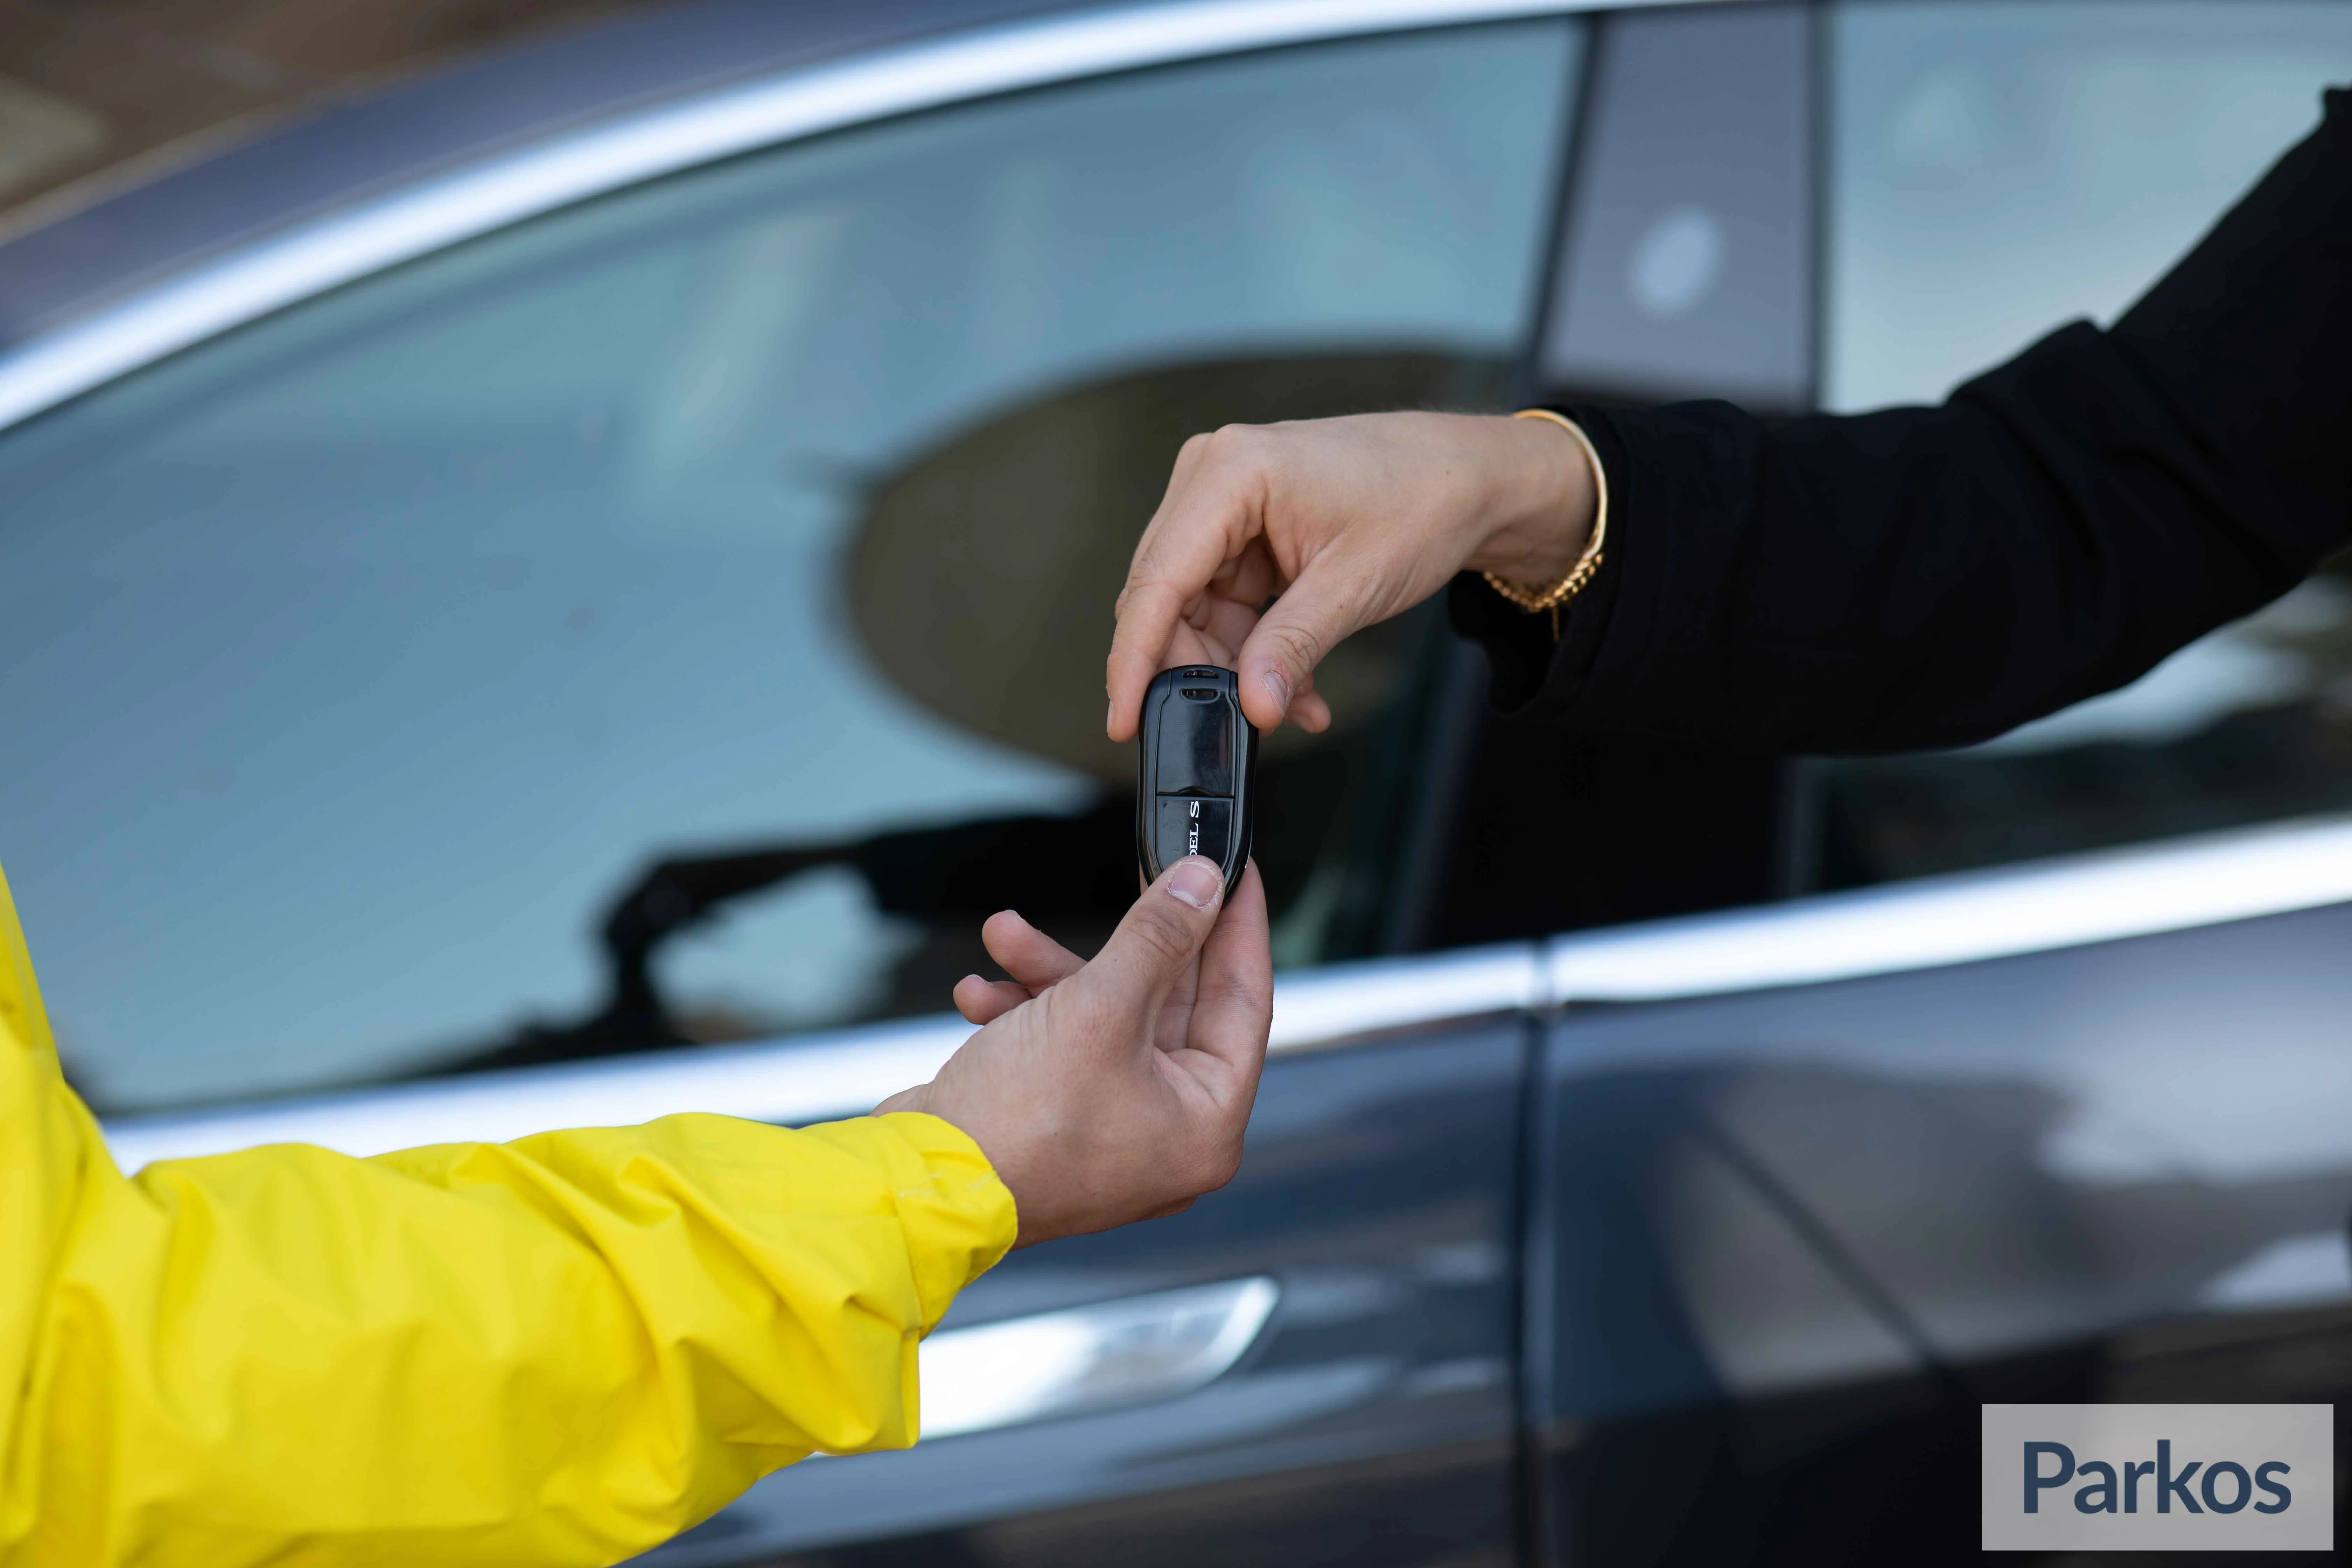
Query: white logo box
point(2264, 1478)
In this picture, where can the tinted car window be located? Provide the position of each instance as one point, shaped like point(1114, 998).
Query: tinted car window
point(1996, 170)
point(353, 665)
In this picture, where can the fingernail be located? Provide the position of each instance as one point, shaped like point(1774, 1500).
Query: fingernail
point(1197, 881)
point(1109, 713)
point(1274, 682)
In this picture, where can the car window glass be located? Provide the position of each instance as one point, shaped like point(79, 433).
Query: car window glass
point(2000, 168)
point(355, 666)
point(1996, 170)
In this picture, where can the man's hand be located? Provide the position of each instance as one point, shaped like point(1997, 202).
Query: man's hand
point(1115, 1090)
point(1350, 520)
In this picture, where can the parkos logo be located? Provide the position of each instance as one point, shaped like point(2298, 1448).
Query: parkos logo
point(2142, 1477)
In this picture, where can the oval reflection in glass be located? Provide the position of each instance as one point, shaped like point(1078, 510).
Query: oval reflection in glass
point(1676, 263)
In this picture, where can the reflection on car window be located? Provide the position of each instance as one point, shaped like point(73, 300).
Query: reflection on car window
point(1997, 168)
point(357, 668)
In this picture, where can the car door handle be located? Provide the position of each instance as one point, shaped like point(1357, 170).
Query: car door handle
point(1112, 1354)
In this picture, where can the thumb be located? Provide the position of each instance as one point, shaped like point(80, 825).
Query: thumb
point(1158, 942)
point(1277, 664)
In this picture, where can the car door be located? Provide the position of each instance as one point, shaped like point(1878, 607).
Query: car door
point(611, 666)
point(2049, 1100)
point(1823, 1181)
point(1370, 1418)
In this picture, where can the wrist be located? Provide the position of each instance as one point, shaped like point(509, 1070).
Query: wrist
point(1541, 512)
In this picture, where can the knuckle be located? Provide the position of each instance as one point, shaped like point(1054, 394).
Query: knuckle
point(1233, 444)
point(1293, 645)
point(1163, 935)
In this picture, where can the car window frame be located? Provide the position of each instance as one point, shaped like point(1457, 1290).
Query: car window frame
point(507, 189)
point(505, 186)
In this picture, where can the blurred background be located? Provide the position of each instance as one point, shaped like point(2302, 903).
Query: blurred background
point(95, 95)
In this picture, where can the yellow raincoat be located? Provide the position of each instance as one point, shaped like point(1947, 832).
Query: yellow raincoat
point(560, 1350)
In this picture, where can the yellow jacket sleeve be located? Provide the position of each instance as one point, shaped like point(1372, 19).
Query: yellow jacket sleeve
point(563, 1350)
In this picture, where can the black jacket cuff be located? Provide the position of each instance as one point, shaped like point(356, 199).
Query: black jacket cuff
point(1533, 674)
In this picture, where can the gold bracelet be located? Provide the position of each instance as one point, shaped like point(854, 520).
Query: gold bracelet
point(1558, 594)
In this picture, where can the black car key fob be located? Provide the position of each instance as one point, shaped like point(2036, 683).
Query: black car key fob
point(1194, 791)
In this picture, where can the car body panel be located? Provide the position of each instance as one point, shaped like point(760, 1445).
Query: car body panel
point(1840, 1216)
point(1379, 1188)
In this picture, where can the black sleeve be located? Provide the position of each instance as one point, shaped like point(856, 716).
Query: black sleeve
point(1921, 577)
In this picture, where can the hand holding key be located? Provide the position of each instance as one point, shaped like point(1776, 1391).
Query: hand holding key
point(1115, 1090)
point(1342, 522)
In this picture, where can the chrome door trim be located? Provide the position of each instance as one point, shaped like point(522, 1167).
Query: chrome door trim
point(1342, 1003)
point(796, 1082)
point(2070, 901)
point(1107, 1355)
point(312, 258)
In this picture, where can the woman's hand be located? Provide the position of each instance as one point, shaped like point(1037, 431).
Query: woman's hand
point(1349, 521)
point(1118, 1090)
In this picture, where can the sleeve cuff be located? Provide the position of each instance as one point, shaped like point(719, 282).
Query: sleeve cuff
point(958, 1218)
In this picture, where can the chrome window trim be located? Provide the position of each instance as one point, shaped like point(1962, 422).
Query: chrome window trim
point(806, 1078)
point(312, 258)
point(2142, 890)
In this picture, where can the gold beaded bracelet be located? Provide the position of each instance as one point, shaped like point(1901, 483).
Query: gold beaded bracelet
point(1534, 601)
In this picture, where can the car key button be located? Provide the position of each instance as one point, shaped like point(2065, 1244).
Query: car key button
point(1194, 825)
point(1196, 746)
